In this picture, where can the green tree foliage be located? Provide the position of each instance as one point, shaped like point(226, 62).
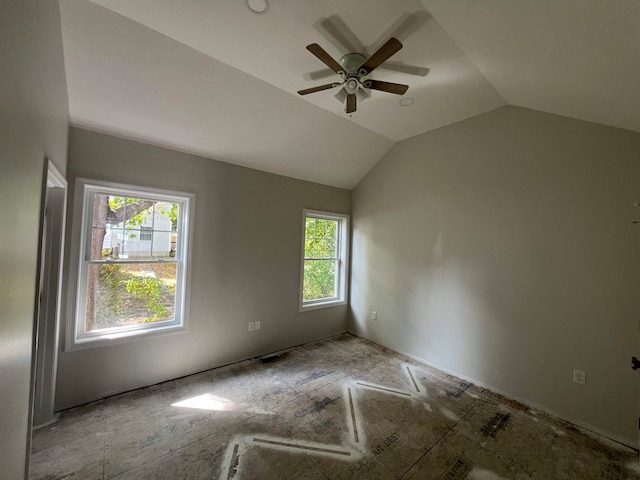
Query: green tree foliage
point(320, 253)
point(133, 294)
point(149, 291)
point(110, 281)
point(134, 211)
point(172, 213)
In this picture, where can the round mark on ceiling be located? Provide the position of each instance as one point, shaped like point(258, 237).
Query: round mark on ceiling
point(257, 6)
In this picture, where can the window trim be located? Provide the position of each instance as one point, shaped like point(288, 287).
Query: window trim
point(75, 337)
point(343, 261)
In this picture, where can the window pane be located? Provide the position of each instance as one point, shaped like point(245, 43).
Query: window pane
point(129, 294)
point(115, 211)
point(134, 212)
point(111, 243)
point(122, 227)
point(162, 245)
point(320, 248)
point(173, 250)
point(319, 279)
point(99, 250)
point(310, 227)
point(100, 215)
point(320, 238)
point(165, 216)
point(134, 248)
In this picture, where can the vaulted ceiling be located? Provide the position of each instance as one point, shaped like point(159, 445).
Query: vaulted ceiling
point(213, 78)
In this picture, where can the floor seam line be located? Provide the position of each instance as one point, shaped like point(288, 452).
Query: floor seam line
point(435, 443)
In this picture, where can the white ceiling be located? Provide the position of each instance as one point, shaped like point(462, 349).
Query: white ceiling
point(212, 78)
point(577, 58)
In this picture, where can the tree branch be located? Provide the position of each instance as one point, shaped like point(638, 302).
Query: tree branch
point(118, 215)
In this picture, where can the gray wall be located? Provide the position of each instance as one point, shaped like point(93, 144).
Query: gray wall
point(501, 248)
point(34, 121)
point(246, 266)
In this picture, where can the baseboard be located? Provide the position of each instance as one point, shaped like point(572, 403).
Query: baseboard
point(114, 393)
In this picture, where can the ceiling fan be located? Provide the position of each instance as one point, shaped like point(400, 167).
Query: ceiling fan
point(352, 69)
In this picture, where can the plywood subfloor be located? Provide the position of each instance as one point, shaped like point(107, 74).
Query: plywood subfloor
point(342, 408)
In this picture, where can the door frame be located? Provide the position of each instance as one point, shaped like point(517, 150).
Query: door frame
point(47, 327)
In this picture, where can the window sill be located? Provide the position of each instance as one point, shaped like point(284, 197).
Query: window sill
point(334, 302)
point(115, 338)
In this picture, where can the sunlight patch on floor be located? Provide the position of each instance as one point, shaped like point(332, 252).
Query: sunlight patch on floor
point(207, 401)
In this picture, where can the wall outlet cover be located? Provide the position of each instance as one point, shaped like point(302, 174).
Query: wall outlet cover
point(252, 326)
point(579, 377)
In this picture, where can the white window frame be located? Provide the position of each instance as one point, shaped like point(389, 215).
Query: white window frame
point(342, 274)
point(85, 190)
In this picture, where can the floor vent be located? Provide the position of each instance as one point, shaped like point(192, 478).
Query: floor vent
point(270, 359)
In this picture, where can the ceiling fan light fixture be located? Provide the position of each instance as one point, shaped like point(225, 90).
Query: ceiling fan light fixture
point(351, 85)
point(362, 94)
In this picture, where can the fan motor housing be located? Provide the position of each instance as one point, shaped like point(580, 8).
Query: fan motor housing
point(351, 62)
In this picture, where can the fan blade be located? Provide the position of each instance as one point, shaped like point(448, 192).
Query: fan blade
point(402, 68)
point(339, 34)
point(381, 55)
point(325, 58)
point(306, 91)
point(397, 88)
point(318, 74)
point(406, 25)
point(351, 103)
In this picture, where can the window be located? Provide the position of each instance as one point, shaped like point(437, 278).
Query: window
point(133, 265)
point(146, 234)
point(324, 260)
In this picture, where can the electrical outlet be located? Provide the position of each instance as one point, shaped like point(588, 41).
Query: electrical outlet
point(579, 377)
point(374, 315)
point(252, 326)
point(257, 322)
